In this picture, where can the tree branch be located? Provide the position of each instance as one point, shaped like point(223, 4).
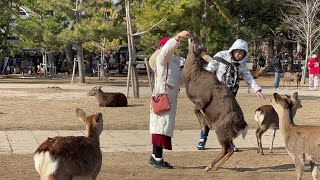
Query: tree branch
point(139, 33)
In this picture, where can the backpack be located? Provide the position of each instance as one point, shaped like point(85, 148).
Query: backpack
point(231, 76)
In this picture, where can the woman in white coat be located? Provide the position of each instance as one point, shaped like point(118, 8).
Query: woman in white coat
point(167, 80)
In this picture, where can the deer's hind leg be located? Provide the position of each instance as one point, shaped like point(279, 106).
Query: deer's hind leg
point(273, 136)
point(224, 155)
point(259, 133)
point(314, 170)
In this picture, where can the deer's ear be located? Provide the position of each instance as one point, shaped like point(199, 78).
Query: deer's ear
point(99, 87)
point(295, 95)
point(277, 97)
point(81, 114)
point(98, 118)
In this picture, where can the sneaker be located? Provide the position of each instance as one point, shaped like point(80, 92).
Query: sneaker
point(235, 149)
point(201, 144)
point(310, 88)
point(151, 160)
point(159, 164)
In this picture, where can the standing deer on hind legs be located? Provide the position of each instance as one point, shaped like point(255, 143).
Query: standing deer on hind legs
point(221, 111)
point(267, 117)
point(301, 141)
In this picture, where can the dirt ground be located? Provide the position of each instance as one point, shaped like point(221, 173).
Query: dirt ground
point(29, 104)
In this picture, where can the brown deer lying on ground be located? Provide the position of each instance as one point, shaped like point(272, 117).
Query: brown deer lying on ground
point(302, 141)
point(106, 99)
point(267, 117)
point(221, 110)
point(292, 77)
point(72, 156)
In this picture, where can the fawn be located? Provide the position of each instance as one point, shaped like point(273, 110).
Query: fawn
point(72, 156)
point(302, 141)
point(267, 117)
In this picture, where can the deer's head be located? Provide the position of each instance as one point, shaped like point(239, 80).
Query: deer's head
point(94, 122)
point(290, 102)
point(196, 46)
point(94, 90)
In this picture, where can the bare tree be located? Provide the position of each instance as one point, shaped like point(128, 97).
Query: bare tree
point(306, 26)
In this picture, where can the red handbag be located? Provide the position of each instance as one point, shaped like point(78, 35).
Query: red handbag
point(160, 103)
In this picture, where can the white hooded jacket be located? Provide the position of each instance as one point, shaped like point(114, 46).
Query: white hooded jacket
point(219, 68)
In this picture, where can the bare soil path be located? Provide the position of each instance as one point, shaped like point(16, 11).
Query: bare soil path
point(35, 104)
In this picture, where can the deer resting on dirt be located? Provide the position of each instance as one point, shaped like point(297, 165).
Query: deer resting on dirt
point(267, 117)
point(302, 141)
point(63, 158)
point(105, 99)
point(221, 111)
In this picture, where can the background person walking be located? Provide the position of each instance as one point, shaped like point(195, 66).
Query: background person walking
point(277, 66)
point(314, 71)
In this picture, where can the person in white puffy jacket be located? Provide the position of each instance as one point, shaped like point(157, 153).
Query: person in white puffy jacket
point(167, 78)
point(234, 58)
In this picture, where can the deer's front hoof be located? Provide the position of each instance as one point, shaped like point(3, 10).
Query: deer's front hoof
point(208, 168)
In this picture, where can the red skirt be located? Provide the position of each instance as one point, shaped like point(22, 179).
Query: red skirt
point(162, 141)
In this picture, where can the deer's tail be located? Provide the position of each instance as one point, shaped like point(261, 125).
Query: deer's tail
point(245, 131)
point(45, 164)
point(258, 116)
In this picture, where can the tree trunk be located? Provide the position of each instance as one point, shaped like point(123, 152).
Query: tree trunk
point(80, 63)
point(51, 64)
point(103, 75)
point(304, 71)
point(131, 51)
point(45, 62)
point(69, 55)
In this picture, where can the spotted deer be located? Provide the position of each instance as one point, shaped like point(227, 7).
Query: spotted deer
point(301, 141)
point(67, 157)
point(266, 117)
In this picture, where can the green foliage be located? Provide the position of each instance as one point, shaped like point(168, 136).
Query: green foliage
point(54, 24)
point(256, 20)
point(9, 11)
point(180, 15)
